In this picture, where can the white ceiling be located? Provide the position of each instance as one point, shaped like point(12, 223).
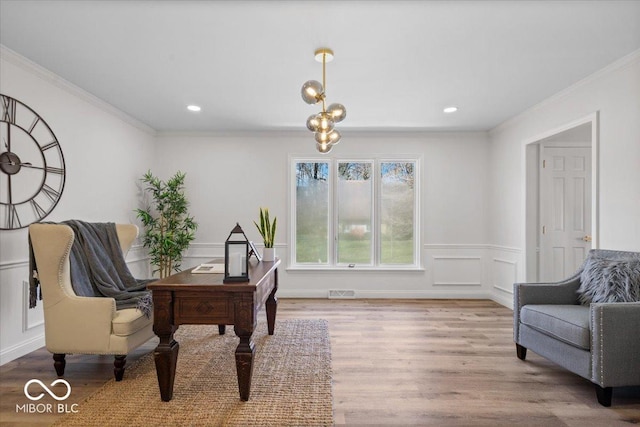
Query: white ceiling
point(397, 63)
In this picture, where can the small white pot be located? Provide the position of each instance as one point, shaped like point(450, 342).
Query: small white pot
point(269, 254)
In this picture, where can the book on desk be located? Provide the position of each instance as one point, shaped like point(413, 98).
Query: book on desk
point(209, 268)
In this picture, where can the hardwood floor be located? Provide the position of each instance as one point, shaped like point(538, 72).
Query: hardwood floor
point(395, 362)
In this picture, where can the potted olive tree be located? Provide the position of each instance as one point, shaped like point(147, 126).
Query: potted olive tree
point(168, 226)
point(267, 230)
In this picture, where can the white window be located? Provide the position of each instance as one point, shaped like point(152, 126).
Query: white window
point(355, 213)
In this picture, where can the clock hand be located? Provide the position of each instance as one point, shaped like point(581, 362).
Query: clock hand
point(29, 165)
point(47, 169)
point(24, 165)
point(9, 192)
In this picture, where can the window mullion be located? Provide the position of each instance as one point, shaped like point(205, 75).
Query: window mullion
point(375, 217)
point(333, 213)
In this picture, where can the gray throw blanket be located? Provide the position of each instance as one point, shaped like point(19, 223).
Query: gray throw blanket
point(98, 267)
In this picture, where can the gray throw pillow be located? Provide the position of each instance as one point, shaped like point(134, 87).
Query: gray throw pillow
point(609, 280)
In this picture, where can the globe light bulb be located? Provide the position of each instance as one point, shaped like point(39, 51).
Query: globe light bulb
point(334, 137)
point(313, 123)
point(323, 148)
point(322, 137)
point(326, 124)
point(337, 112)
point(312, 92)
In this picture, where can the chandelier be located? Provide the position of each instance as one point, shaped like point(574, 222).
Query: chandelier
point(323, 123)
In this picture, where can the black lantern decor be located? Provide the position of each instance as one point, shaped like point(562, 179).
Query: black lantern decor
point(236, 256)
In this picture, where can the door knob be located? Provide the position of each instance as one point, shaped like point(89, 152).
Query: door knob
point(587, 238)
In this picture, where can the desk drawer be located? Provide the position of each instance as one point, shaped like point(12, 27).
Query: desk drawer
point(196, 310)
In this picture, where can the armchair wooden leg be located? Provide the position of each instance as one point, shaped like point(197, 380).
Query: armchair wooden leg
point(521, 352)
point(59, 363)
point(118, 364)
point(604, 395)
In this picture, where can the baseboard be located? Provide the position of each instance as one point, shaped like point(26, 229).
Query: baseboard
point(302, 293)
point(387, 294)
point(503, 299)
point(22, 348)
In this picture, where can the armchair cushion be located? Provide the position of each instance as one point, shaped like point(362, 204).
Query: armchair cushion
point(128, 321)
point(567, 323)
point(610, 280)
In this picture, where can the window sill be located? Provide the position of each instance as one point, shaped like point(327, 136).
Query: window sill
point(303, 268)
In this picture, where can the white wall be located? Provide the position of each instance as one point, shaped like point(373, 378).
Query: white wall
point(614, 93)
point(230, 177)
point(105, 153)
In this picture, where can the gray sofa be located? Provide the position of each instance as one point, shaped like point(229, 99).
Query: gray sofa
point(574, 324)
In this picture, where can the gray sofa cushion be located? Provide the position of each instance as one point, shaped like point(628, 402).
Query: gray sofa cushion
point(568, 323)
point(610, 280)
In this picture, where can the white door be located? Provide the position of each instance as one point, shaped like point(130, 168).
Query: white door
point(565, 215)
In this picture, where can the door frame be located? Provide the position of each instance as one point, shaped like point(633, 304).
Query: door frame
point(531, 190)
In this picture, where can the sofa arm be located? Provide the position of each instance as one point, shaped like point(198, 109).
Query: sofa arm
point(542, 293)
point(79, 325)
point(546, 293)
point(615, 344)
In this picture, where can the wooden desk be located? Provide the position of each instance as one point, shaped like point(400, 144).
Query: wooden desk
point(197, 299)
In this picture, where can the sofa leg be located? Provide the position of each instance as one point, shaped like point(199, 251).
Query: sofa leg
point(59, 363)
point(604, 395)
point(521, 352)
point(118, 364)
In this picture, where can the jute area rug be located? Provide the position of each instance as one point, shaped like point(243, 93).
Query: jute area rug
point(291, 383)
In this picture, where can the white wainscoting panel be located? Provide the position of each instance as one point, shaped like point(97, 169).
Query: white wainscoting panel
point(457, 270)
point(505, 274)
point(21, 328)
point(505, 270)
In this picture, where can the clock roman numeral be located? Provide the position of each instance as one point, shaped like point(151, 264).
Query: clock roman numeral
point(39, 211)
point(50, 192)
point(8, 109)
point(49, 145)
point(12, 218)
point(51, 169)
point(33, 125)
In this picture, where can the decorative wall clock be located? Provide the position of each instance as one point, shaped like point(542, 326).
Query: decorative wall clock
point(32, 171)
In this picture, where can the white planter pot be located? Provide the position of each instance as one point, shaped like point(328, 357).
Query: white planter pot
point(269, 254)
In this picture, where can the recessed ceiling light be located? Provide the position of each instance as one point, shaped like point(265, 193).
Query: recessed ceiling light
point(193, 108)
point(450, 109)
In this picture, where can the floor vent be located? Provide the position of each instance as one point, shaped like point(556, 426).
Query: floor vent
point(342, 294)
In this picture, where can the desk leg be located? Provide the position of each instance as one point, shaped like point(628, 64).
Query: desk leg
point(166, 354)
point(271, 305)
point(244, 364)
point(245, 324)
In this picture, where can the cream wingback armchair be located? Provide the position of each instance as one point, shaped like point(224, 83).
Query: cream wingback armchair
point(82, 325)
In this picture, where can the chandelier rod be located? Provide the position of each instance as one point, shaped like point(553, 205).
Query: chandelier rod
point(324, 80)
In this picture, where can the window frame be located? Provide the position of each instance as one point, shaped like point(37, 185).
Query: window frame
point(332, 239)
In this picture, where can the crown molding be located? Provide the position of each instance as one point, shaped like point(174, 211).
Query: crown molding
point(621, 63)
point(348, 132)
point(54, 79)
